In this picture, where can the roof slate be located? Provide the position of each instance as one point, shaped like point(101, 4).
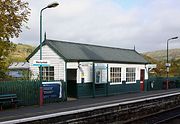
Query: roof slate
point(85, 52)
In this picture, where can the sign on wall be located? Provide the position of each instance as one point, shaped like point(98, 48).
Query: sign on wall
point(151, 66)
point(41, 63)
point(52, 89)
point(100, 73)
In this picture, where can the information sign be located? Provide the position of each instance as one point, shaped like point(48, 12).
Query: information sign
point(41, 63)
point(52, 89)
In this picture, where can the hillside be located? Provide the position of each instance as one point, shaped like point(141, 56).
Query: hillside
point(20, 53)
point(161, 55)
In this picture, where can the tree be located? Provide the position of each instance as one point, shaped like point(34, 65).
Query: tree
point(13, 15)
point(5, 49)
point(161, 68)
point(175, 67)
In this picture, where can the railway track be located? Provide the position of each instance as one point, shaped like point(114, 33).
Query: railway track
point(163, 117)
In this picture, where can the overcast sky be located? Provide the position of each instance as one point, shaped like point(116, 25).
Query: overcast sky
point(145, 24)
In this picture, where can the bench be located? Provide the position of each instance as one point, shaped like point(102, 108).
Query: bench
point(8, 99)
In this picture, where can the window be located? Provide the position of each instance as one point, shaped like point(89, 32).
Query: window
point(100, 73)
point(115, 74)
point(47, 73)
point(130, 74)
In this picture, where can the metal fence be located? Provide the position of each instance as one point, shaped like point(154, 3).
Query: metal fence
point(159, 83)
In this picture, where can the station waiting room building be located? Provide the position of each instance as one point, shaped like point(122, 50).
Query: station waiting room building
point(91, 70)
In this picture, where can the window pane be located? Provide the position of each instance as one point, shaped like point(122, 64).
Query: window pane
point(51, 68)
point(51, 78)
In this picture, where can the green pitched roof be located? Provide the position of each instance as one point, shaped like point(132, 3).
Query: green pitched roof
point(75, 52)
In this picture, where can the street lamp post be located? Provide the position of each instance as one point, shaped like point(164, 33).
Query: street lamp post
point(52, 5)
point(167, 62)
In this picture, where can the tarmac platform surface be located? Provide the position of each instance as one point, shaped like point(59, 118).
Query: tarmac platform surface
point(72, 105)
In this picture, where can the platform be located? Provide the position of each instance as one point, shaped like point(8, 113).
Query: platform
point(24, 113)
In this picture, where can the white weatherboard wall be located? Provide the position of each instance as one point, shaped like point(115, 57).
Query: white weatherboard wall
point(85, 69)
point(55, 60)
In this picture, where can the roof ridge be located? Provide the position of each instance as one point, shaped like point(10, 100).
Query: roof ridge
point(89, 44)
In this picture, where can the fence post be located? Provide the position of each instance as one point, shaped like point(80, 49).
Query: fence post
point(41, 96)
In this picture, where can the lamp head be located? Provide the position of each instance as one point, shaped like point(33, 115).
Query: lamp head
point(52, 5)
point(174, 38)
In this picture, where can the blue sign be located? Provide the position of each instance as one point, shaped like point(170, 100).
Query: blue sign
point(52, 90)
point(41, 65)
